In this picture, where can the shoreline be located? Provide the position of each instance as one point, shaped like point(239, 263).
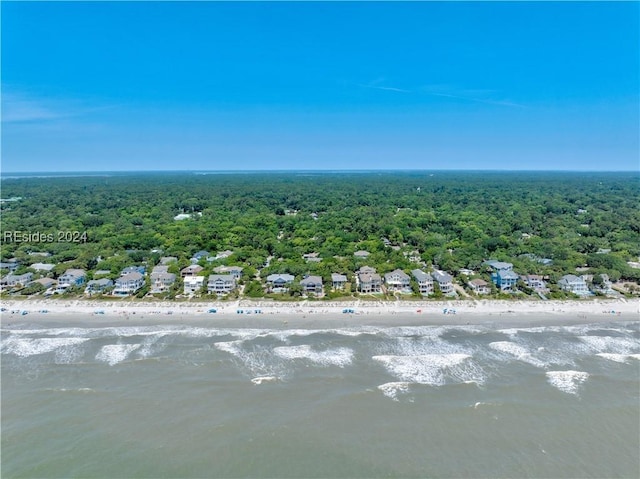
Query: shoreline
point(261, 314)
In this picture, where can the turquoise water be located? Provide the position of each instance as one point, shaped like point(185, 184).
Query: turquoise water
point(454, 401)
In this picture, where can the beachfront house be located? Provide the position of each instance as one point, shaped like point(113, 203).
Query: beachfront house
point(338, 281)
point(161, 279)
point(535, 282)
point(235, 271)
point(191, 270)
point(368, 280)
point(98, 285)
point(128, 284)
point(574, 284)
point(445, 282)
point(193, 285)
point(13, 280)
point(221, 284)
point(279, 283)
point(312, 284)
point(502, 275)
point(479, 286)
point(425, 282)
point(71, 277)
point(398, 280)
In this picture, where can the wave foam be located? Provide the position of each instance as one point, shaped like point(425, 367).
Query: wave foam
point(25, 347)
point(432, 369)
point(115, 353)
point(265, 379)
point(331, 357)
point(567, 381)
point(517, 351)
point(392, 390)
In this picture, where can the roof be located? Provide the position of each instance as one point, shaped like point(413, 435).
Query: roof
point(75, 272)
point(478, 282)
point(498, 265)
point(132, 276)
point(366, 269)
point(100, 282)
point(161, 268)
point(338, 277)
point(397, 272)
point(280, 277)
point(361, 253)
point(43, 266)
point(311, 280)
point(369, 277)
point(441, 276)
point(420, 275)
point(193, 268)
point(507, 274)
point(194, 279)
point(570, 278)
point(220, 277)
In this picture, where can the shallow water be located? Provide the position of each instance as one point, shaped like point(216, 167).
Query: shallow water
point(418, 401)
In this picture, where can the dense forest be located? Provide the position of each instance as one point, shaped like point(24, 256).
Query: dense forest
point(452, 220)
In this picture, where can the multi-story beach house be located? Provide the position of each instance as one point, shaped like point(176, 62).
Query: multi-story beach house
point(397, 280)
point(574, 284)
point(279, 283)
point(71, 277)
point(193, 285)
point(191, 270)
point(221, 284)
point(312, 284)
point(235, 271)
point(503, 275)
point(13, 280)
point(368, 280)
point(98, 285)
point(445, 282)
point(425, 282)
point(161, 279)
point(534, 282)
point(338, 281)
point(128, 284)
point(479, 286)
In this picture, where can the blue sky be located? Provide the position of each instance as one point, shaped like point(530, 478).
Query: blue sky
point(324, 85)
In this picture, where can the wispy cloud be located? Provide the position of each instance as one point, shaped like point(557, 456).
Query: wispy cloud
point(378, 85)
point(25, 108)
point(470, 95)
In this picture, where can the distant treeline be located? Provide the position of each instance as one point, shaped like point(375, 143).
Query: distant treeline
point(452, 219)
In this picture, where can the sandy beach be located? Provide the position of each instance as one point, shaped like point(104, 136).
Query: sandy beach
point(248, 313)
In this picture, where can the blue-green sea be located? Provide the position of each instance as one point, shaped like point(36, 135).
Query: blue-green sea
point(181, 401)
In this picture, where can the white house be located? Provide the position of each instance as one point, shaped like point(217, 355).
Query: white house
point(193, 284)
point(128, 284)
point(479, 286)
point(17, 279)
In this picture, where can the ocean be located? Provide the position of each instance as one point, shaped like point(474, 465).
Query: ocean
point(183, 401)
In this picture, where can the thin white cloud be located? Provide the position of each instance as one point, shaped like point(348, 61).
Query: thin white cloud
point(477, 96)
point(24, 108)
point(378, 85)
